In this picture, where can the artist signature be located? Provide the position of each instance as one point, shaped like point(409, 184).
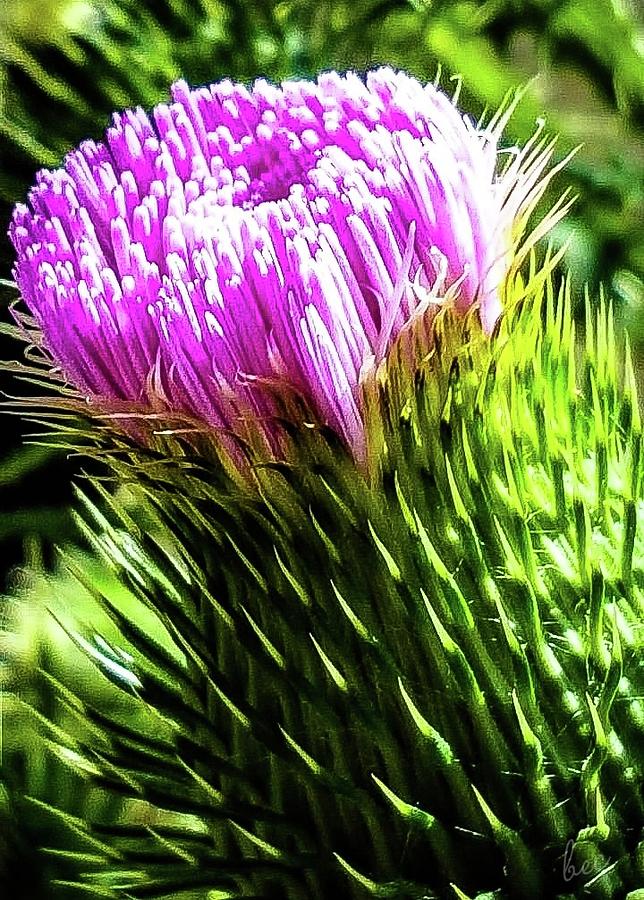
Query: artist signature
point(570, 870)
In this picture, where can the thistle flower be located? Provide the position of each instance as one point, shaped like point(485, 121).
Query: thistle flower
point(241, 241)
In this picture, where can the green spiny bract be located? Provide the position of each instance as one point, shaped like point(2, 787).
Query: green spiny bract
point(419, 680)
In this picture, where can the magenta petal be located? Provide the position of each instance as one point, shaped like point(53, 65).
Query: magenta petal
point(239, 236)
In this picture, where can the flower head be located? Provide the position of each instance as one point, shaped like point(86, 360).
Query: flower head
point(279, 235)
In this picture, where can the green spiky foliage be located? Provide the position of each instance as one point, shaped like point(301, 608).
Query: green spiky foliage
point(537, 487)
point(418, 678)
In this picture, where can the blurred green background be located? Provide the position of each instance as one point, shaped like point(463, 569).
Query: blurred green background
point(65, 65)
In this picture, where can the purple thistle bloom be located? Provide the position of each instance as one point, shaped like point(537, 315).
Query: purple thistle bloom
point(237, 239)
